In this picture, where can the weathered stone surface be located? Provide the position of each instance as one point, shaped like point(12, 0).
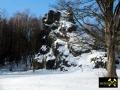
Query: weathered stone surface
point(51, 17)
point(72, 28)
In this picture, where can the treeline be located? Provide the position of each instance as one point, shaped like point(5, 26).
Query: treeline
point(21, 36)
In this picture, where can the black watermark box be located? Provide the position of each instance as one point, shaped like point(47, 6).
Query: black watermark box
point(108, 82)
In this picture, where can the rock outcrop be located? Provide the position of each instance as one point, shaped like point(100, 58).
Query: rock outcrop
point(66, 45)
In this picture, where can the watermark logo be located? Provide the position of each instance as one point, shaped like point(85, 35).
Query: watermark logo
point(108, 82)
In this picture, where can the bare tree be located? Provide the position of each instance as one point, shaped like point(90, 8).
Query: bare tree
point(103, 16)
point(111, 19)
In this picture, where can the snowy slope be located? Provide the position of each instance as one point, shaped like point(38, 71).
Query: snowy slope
point(53, 80)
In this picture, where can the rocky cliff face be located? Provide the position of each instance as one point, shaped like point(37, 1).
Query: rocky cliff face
point(67, 43)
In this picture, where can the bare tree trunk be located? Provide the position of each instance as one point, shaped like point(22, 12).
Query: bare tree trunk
point(111, 67)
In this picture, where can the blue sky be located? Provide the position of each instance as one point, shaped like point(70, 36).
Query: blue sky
point(37, 7)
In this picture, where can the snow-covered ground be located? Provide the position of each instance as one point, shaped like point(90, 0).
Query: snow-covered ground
point(53, 80)
point(81, 77)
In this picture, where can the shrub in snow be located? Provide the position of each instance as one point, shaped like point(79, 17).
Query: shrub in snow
point(99, 62)
point(36, 65)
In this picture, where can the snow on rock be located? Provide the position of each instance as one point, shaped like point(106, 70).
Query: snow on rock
point(63, 48)
point(65, 24)
point(50, 55)
point(60, 42)
point(69, 46)
point(44, 48)
point(39, 58)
